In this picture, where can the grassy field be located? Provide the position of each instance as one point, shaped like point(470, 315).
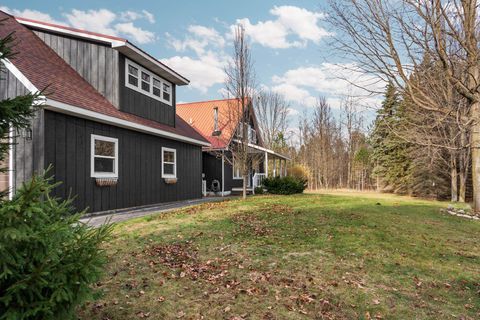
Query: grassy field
point(309, 256)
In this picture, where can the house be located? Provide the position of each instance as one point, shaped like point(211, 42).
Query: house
point(108, 124)
point(216, 122)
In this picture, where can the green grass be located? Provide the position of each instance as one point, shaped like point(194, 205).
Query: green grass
point(320, 256)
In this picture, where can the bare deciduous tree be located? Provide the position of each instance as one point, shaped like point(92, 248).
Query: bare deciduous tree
point(240, 85)
point(390, 39)
point(271, 109)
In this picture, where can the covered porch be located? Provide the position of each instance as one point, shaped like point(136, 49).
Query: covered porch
point(267, 163)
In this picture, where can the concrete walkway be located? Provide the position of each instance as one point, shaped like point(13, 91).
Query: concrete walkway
point(97, 219)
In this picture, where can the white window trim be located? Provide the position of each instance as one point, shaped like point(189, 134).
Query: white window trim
point(166, 175)
point(235, 177)
point(152, 75)
point(94, 174)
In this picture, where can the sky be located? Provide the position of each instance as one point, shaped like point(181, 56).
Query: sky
point(289, 43)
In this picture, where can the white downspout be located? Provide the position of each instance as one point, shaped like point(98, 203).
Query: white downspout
point(10, 164)
point(223, 173)
point(266, 164)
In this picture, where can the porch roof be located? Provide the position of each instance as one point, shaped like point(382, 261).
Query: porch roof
point(270, 152)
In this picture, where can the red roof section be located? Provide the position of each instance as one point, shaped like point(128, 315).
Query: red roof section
point(45, 69)
point(200, 116)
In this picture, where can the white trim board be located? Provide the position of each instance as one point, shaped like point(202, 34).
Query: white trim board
point(20, 76)
point(61, 107)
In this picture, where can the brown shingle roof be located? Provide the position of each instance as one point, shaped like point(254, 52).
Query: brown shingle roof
point(45, 69)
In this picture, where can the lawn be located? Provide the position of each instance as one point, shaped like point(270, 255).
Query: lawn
point(309, 256)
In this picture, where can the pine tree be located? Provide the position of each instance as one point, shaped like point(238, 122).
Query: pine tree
point(390, 152)
point(48, 259)
point(16, 113)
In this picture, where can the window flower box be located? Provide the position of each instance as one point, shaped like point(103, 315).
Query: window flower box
point(170, 180)
point(106, 182)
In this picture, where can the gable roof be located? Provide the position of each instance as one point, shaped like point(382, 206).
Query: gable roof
point(200, 116)
point(66, 91)
point(122, 45)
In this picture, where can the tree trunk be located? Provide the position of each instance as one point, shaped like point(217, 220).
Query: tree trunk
point(244, 191)
point(453, 178)
point(475, 151)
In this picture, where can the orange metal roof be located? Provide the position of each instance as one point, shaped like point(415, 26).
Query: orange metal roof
point(200, 116)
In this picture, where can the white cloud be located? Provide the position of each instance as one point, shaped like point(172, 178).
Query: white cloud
point(94, 20)
point(140, 35)
point(130, 15)
point(203, 71)
point(290, 22)
point(331, 80)
point(205, 68)
point(31, 14)
point(101, 21)
point(198, 38)
point(295, 93)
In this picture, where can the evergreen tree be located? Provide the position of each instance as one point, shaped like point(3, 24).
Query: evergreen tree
point(48, 259)
point(390, 153)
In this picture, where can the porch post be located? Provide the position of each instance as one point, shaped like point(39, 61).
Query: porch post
point(285, 167)
point(274, 167)
point(281, 167)
point(266, 165)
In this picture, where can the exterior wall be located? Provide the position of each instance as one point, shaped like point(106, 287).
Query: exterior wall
point(95, 62)
point(28, 153)
point(212, 168)
point(139, 104)
point(67, 148)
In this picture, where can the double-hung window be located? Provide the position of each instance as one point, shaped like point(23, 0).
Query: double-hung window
point(147, 83)
point(104, 157)
point(169, 163)
point(237, 173)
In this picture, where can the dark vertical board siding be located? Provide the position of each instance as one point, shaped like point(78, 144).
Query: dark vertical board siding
point(28, 153)
point(212, 167)
point(139, 104)
point(94, 61)
point(140, 181)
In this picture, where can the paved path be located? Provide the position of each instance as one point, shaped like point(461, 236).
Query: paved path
point(99, 219)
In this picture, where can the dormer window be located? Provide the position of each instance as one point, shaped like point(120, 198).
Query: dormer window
point(132, 75)
point(146, 82)
point(166, 92)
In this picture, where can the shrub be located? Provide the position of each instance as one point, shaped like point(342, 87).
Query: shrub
point(285, 185)
point(298, 171)
point(48, 258)
point(258, 190)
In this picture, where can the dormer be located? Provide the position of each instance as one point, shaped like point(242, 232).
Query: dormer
point(128, 77)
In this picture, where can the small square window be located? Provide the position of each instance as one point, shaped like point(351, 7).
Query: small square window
point(145, 86)
point(166, 92)
point(156, 91)
point(132, 80)
point(132, 70)
point(145, 77)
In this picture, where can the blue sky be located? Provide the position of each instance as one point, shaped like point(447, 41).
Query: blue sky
point(289, 42)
